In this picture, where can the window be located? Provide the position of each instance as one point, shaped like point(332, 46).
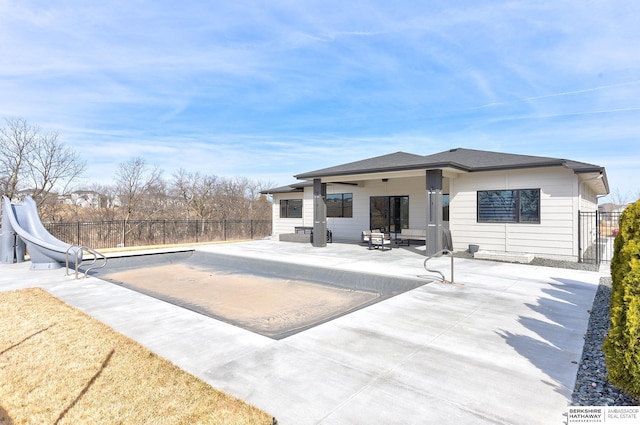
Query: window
point(389, 213)
point(509, 206)
point(446, 199)
point(340, 205)
point(291, 208)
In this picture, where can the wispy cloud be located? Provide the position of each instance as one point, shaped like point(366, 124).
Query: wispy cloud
point(278, 88)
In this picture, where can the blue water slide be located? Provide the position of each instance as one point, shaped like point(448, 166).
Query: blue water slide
point(21, 223)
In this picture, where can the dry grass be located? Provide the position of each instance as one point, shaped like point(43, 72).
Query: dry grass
point(60, 366)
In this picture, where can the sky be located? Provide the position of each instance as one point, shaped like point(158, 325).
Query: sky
point(270, 89)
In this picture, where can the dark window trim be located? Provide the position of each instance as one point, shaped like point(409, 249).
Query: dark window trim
point(345, 211)
point(404, 224)
point(518, 207)
point(287, 209)
point(446, 202)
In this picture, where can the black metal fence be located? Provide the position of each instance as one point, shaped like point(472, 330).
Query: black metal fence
point(596, 233)
point(112, 234)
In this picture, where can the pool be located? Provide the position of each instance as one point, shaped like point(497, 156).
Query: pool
point(274, 299)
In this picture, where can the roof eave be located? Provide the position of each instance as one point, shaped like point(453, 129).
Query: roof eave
point(382, 170)
point(601, 174)
point(433, 166)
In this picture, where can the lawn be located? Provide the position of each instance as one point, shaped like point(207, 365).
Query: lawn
point(60, 366)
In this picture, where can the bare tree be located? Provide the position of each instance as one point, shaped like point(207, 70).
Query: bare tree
point(219, 198)
point(17, 141)
point(259, 204)
point(137, 186)
point(619, 199)
point(107, 205)
point(197, 192)
point(231, 203)
point(51, 164)
point(35, 160)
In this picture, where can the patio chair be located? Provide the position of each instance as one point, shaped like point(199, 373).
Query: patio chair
point(380, 241)
point(366, 234)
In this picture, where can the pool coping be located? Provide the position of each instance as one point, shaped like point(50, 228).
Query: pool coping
point(498, 348)
point(384, 286)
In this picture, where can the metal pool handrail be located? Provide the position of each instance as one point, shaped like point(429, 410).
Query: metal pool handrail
point(80, 249)
point(439, 254)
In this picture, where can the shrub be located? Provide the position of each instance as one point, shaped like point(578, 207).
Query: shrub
point(622, 345)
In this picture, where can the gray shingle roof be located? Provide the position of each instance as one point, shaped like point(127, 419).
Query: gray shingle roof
point(469, 160)
point(292, 188)
point(390, 162)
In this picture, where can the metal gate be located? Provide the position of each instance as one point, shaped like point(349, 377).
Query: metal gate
point(596, 233)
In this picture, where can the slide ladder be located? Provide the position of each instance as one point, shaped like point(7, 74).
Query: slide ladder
point(79, 258)
point(436, 255)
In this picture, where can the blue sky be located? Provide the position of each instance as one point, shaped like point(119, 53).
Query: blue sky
point(269, 89)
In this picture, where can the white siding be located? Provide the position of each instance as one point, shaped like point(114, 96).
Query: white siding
point(287, 225)
point(553, 236)
point(588, 199)
point(350, 229)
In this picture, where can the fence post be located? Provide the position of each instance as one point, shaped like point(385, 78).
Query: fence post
point(224, 229)
point(78, 234)
point(579, 237)
point(597, 239)
point(251, 229)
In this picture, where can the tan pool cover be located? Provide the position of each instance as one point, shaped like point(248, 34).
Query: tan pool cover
point(272, 307)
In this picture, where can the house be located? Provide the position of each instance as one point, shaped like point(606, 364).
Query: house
point(611, 208)
point(81, 198)
point(90, 199)
point(504, 203)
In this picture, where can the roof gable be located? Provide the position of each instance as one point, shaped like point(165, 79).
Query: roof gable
point(477, 160)
point(393, 161)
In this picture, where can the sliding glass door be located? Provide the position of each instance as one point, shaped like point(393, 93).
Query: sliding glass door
point(389, 213)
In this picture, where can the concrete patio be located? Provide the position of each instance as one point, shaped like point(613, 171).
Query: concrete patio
point(499, 346)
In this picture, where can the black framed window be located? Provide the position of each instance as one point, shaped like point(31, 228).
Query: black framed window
point(340, 205)
point(389, 213)
point(509, 206)
point(291, 208)
point(446, 199)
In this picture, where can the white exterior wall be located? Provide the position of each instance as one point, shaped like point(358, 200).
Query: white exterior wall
point(554, 236)
point(588, 199)
point(287, 225)
point(350, 228)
